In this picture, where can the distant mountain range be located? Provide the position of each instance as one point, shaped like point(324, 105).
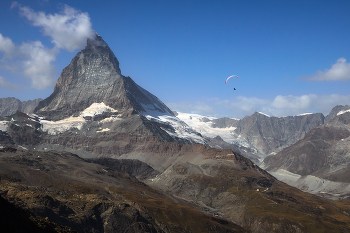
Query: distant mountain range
point(11, 105)
point(102, 154)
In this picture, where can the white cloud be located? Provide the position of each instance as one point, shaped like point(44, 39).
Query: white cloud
point(280, 106)
point(340, 71)
point(38, 64)
point(31, 59)
point(68, 30)
point(6, 46)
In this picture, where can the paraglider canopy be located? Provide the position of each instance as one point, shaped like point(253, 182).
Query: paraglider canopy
point(231, 77)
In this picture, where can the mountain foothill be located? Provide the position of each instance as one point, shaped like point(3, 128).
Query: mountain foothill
point(102, 154)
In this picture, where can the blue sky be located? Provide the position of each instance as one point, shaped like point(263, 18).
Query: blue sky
point(291, 57)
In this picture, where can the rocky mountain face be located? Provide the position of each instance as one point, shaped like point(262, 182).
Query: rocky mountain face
point(254, 136)
point(95, 111)
point(271, 134)
point(11, 105)
point(318, 163)
point(94, 76)
point(335, 111)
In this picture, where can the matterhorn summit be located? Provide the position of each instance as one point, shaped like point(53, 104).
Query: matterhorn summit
point(96, 111)
point(94, 76)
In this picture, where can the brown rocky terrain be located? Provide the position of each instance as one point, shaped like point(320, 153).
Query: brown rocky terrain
point(88, 197)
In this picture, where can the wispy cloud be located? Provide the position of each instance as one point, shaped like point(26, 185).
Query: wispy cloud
point(340, 71)
point(31, 59)
point(280, 106)
point(68, 30)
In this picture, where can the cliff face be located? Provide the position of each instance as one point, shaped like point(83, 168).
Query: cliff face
point(271, 134)
point(319, 161)
point(10, 105)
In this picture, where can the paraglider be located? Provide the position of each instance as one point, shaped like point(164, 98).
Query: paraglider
point(231, 77)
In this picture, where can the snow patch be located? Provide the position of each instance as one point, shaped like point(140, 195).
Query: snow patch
point(57, 127)
point(103, 130)
point(96, 109)
point(304, 114)
point(182, 130)
point(263, 114)
point(342, 112)
point(23, 147)
point(196, 122)
point(3, 125)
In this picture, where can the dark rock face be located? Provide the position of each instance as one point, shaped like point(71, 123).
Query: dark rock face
point(9, 106)
point(94, 76)
point(271, 134)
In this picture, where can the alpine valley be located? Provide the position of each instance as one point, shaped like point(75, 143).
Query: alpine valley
point(102, 154)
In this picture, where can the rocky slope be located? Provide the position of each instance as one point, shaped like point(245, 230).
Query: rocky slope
point(319, 162)
point(11, 105)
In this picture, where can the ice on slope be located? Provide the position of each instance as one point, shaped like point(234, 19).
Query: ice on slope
point(182, 130)
point(56, 127)
point(195, 121)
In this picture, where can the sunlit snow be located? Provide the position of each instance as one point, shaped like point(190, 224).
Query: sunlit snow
point(342, 112)
point(304, 114)
point(3, 125)
point(195, 121)
point(56, 127)
point(182, 130)
point(263, 114)
point(96, 109)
